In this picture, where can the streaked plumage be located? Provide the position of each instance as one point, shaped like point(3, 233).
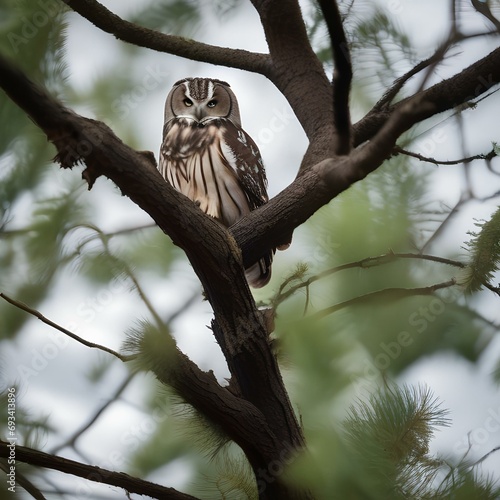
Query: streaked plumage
point(208, 157)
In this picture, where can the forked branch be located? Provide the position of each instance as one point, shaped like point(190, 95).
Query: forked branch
point(137, 35)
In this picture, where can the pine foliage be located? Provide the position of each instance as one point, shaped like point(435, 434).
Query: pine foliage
point(484, 250)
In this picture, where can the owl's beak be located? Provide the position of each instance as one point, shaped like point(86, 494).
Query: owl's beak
point(199, 114)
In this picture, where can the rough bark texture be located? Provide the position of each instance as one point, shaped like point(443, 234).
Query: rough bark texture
point(255, 411)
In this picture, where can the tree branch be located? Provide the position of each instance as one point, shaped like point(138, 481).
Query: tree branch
point(93, 473)
point(365, 263)
point(306, 88)
point(320, 184)
point(386, 293)
point(43, 319)
point(399, 83)
point(469, 84)
point(488, 156)
point(129, 32)
point(444, 223)
point(484, 9)
point(342, 75)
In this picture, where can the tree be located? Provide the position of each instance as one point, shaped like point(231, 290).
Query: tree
point(389, 432)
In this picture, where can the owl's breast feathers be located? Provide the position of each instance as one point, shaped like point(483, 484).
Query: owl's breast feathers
point(218, 166)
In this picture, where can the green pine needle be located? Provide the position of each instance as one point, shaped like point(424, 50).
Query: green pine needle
point(484, 248)
point(391, 433)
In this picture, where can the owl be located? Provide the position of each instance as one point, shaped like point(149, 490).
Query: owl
point(208, 157)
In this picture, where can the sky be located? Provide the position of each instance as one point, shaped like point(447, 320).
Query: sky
point(467, 390)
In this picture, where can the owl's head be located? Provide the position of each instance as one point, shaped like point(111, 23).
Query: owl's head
point(202, 100)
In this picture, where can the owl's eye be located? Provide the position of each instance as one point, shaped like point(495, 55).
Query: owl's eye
point(212, 103)
point(187, 102)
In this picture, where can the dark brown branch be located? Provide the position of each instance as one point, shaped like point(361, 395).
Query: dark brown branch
point(320, 184)
point(43, 319)
point(484, 9)
point(93, 473)
point(307, 87)
point(386, 294)
point(488, 156)
point(342, 75)
point(129, 32)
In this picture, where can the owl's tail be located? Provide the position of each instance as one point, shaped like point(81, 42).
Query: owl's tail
point(259, 274)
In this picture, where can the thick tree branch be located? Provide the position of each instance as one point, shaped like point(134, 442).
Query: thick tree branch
point(129, 32)
point(92, 473)
point(342, 75)
point(306, 88)
point(321, 183)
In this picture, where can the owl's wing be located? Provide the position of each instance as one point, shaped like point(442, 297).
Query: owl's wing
point(243, 156)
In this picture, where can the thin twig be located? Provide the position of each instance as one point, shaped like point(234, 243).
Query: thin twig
point(104, 238)
point(43, 319)
point(483, 8)
point(365, 264)
point(399, 83)
point(445, 223)
point(484, 457)
point(76, 435)
point(386, 293)
point(488, 156)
